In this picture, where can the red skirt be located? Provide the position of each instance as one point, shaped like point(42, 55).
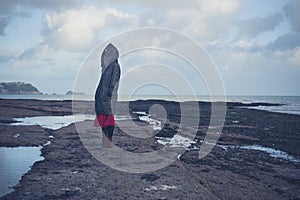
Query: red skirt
point(104, 120)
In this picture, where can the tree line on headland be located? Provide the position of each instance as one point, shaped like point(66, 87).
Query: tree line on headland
point(18, 88)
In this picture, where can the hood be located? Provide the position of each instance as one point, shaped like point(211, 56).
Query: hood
point(109, 55)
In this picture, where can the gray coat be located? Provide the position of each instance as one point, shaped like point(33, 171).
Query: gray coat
point(107, 91)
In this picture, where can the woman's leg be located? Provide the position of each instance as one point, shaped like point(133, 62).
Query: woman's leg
point(104, 131)
point(110, 132)
point(105, 138)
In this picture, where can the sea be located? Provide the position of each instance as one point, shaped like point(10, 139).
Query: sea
point(288, 104)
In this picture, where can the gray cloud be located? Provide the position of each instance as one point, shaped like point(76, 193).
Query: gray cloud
point(290, 40)
point(4, 21)
point(52, 4)
point(16, 5)
point(285, 42)
point(154, 4)
point(5, 59)
point(291, 10)
point(13, 8)
point(254, 26)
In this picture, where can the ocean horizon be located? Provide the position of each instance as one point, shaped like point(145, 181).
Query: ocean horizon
point(288, 104)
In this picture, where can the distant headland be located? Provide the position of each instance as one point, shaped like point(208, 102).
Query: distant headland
point(18, 88)
point(74, 93)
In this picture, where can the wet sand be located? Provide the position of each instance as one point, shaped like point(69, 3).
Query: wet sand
point(69, 171)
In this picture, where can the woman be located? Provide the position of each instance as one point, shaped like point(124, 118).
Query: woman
point(106, 94)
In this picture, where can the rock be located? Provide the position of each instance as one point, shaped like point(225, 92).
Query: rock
point(166, 132)
point(71, 191)
point(74, 93)
point(149, 177)
point(27, 193)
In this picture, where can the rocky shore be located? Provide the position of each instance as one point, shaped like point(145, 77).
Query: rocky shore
point(232, 170)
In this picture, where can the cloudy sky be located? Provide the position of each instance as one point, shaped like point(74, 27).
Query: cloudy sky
point(255, 44)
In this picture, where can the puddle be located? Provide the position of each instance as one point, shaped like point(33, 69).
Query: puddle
point(272, 152)
point(160, 187)
point(176, 141)
point(155, 124)
point(16, 161)
point(57, 122)
point(188, 144)
point(51, 122)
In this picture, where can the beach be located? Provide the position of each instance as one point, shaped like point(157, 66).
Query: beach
point(256, 157)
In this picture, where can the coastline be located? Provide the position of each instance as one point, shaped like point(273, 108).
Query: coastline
point(69, 171)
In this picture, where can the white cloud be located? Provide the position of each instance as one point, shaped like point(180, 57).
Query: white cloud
point(51, 70)
point(204, 20)
point(243, 44)
point(42, 57)
point(72, 28)
point(295, 58)
point(259, 72)
point(6, 57)
point(78, 29)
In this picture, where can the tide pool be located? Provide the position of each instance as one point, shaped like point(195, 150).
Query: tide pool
point(14, 162)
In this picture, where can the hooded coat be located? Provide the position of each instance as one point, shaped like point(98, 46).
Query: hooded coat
point(107, 91)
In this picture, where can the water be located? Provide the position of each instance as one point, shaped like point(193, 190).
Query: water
point(155, 124)
point(52, 122)
point(58, 97)
point(270, 151)
point(291, 104)
point(57, 122)
point(16, 161)
point(176, 141)
point(160, 187)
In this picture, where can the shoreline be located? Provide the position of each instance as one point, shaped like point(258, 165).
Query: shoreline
point(253, 173)
point(278, 104)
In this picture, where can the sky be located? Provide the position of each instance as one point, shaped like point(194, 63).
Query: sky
point(255, 44)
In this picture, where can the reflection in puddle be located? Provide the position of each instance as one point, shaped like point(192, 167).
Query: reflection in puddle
point(16, 161)
point(57, 122)
point(52, 122)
